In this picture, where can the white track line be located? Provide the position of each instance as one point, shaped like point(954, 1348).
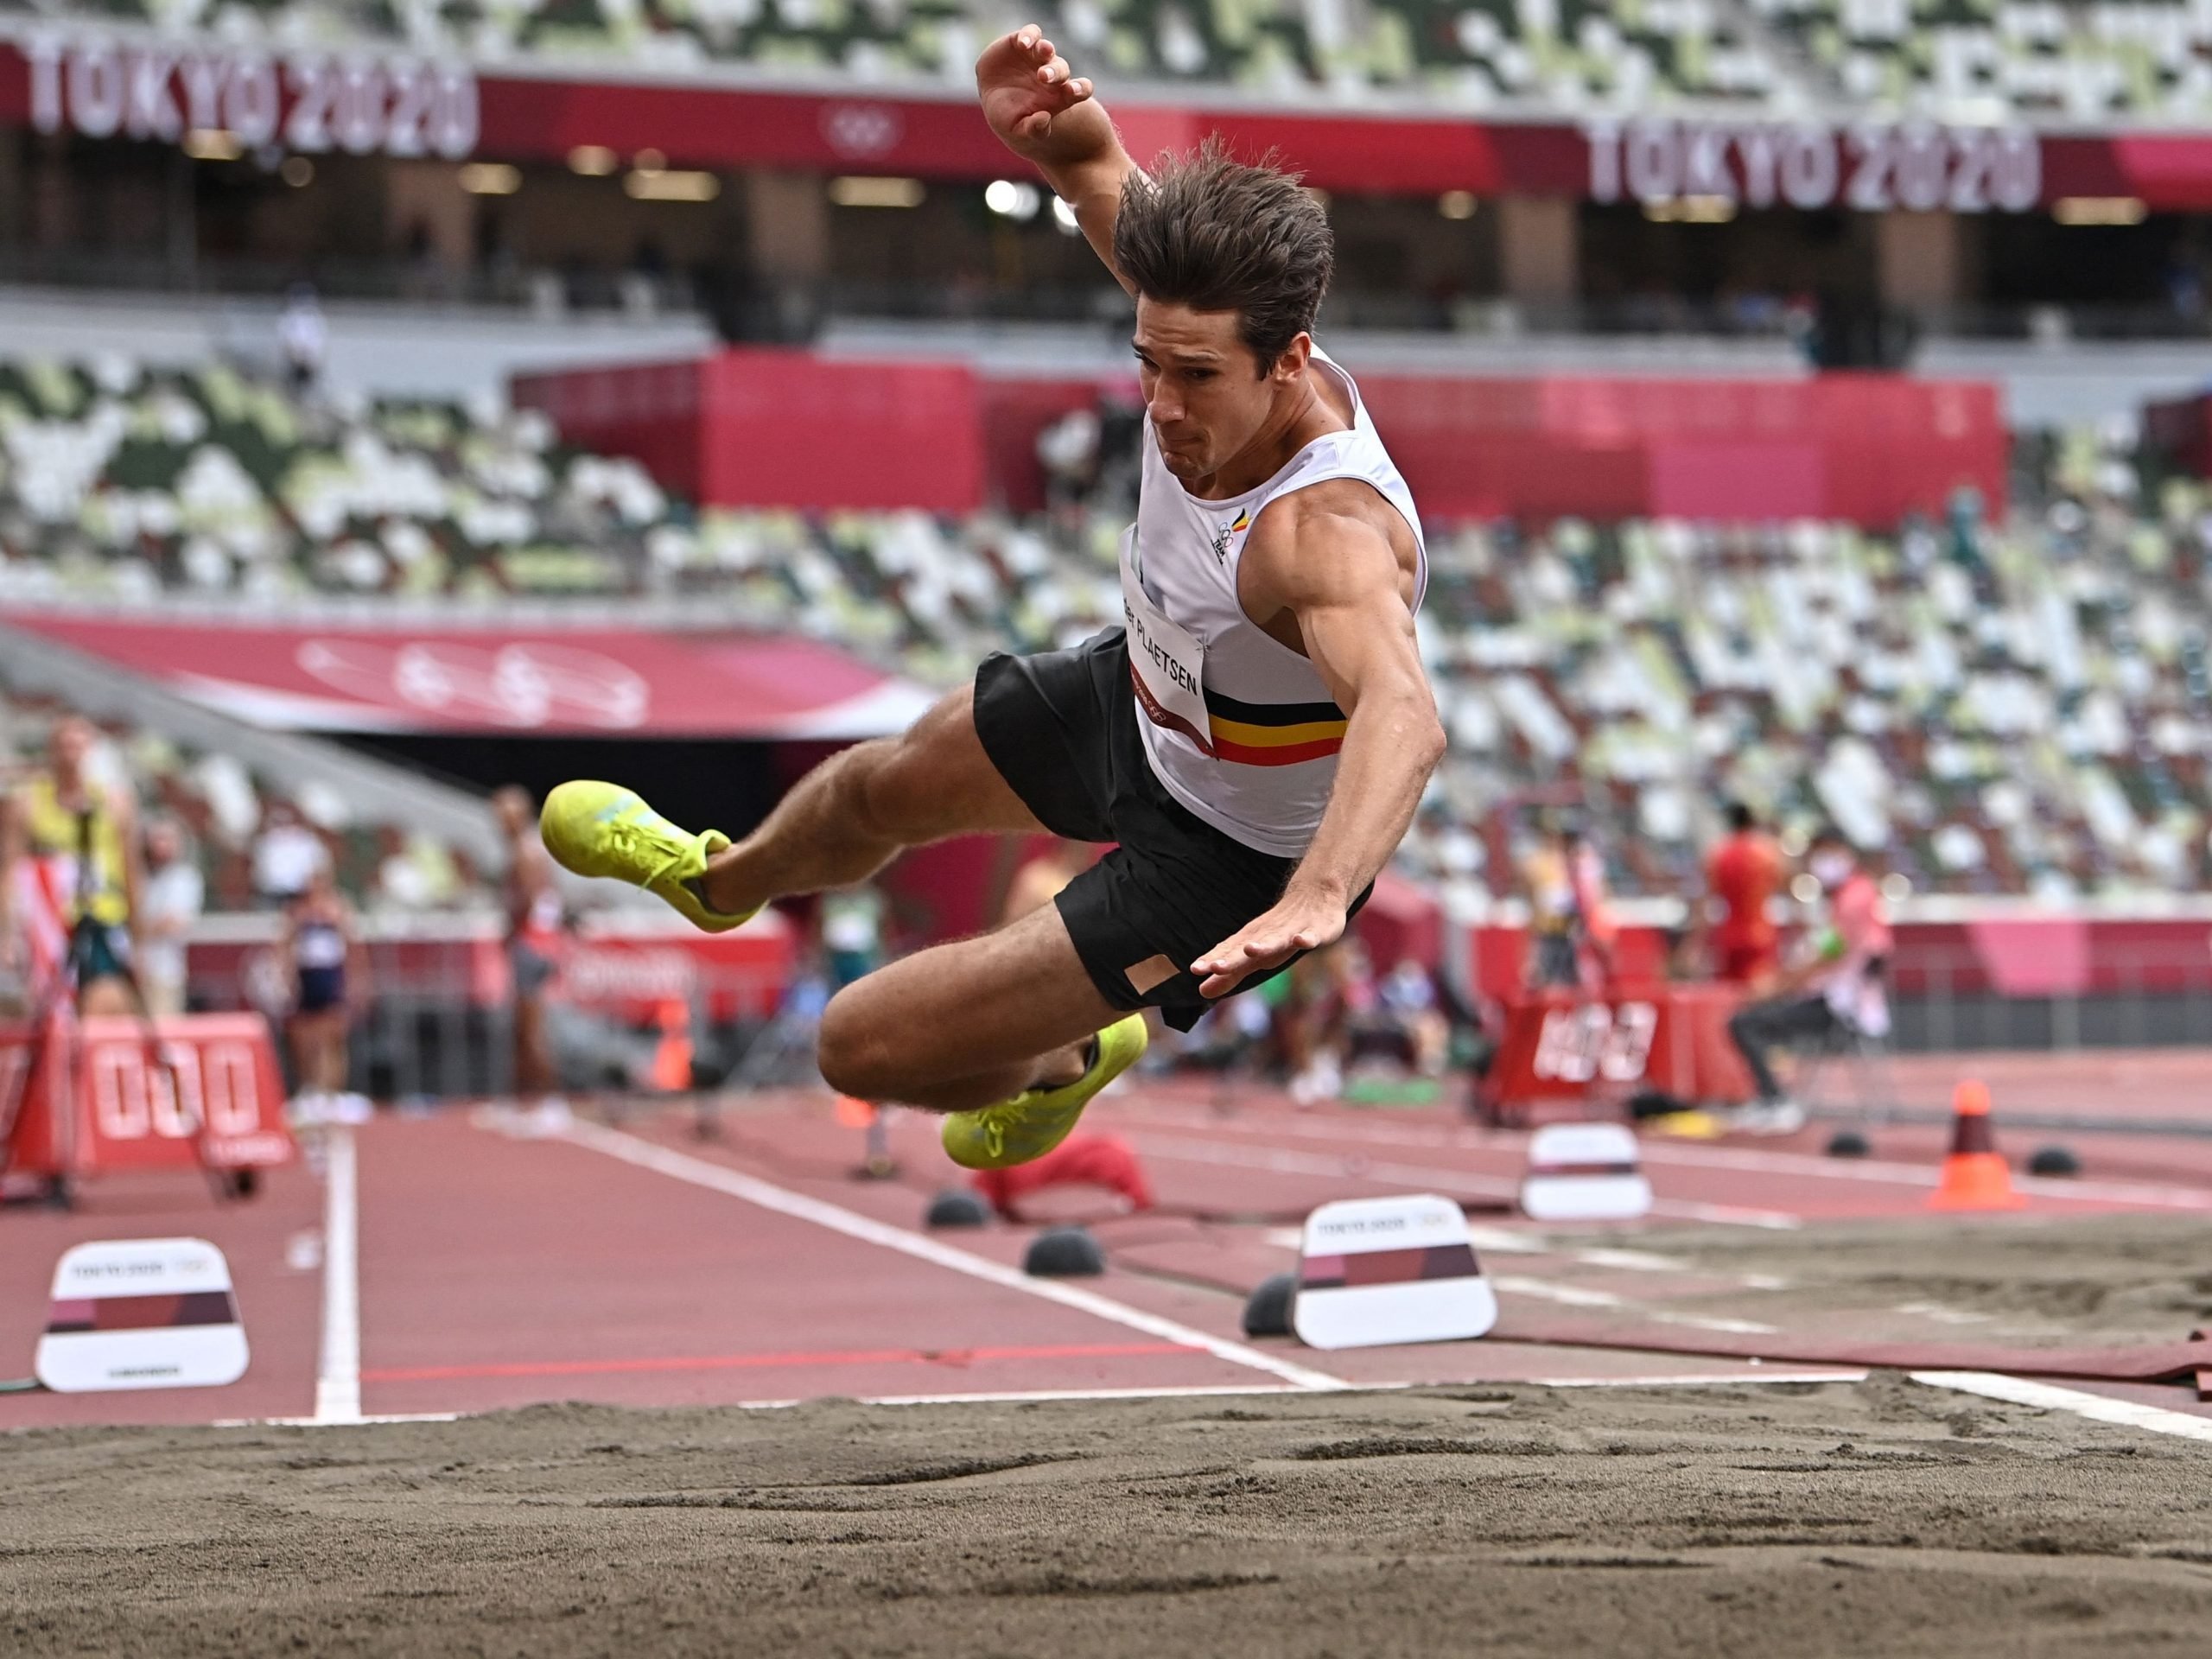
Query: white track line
point(1196, 1391)
point(664, 1161)
point(1701, 1380)
point(338, 1373)
point(1860, 1169)
point(1034, 1397)
point(1581, 1296)
point(1424, 1177)
point(2127, 1414)
point(1658, 1150)
point(377, 1421)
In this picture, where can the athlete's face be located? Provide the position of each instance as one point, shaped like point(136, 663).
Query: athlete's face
point(1204, 390)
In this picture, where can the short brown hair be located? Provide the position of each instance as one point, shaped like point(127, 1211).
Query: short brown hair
point(1206, 230)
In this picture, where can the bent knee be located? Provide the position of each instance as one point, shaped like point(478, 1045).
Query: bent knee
point(851, 1053)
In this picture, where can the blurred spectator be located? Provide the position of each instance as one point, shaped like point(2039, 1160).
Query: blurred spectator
point(16, 995)
point(1067, 449)
point(1572, 931)
point(1838, 993)
point(1546, 882)
point(303, 338)
point(168, 904)
point(329, 984)
point(535, 933)
point(1408, 995)
point(1742, 875)
point(287, 856)
point(852, 933)
point(71, 868)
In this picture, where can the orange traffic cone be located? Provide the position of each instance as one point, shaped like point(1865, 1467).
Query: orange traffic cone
point(671, 1069)
point(1974, 1174)
point(854, 1114)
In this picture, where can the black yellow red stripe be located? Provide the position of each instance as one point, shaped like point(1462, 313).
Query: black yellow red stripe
point(1274, 734)
point(1253, 733)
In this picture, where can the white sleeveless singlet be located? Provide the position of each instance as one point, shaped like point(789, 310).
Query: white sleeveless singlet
point(1238, 727)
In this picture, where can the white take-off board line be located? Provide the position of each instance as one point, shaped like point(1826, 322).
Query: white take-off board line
point(2097, 1407)
point(337, 1371)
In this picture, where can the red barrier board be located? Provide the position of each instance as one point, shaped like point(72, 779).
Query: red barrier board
point(1561, 1047)
point(735, 976)
point(97, 1102)
point(768, 428)
point(1867, 449)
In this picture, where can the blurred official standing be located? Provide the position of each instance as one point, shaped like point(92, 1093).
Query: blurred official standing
point(536, 922)
point(1742, 875)
point(168, 904)
point(73, 868)
point(286, 855)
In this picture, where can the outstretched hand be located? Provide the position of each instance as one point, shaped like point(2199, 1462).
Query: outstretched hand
point(1028, 89)
point(1295, 923)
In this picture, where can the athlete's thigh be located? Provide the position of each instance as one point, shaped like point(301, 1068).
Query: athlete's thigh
point(955, 1010)
point(937, 779)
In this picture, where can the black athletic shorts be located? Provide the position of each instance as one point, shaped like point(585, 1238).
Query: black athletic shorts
point(1062, 729)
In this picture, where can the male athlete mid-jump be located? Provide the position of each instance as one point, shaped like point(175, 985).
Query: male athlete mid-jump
point(1254, 739)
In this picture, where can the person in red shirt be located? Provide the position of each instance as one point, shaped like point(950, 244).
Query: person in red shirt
point(1840, 990)
point(1742, 875)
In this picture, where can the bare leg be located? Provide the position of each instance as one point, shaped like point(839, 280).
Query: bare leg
point(300, 1032)
point(967, 1025)
point(109, 996)
point(533, 1065)
point(858, 809)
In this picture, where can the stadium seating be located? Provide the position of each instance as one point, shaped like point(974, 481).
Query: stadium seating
point(1987, 58)
point(1966, 59)
point(223, 806)
point(1474, 51)
point(2010, 708)
point(127, 481)
point(2023, 710)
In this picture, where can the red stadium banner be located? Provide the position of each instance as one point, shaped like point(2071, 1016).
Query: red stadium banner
point(206, 1093)
point(555, 681)
point(373, 99)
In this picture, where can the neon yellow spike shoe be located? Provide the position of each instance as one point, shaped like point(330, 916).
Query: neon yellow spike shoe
point(1037, 1120)
point(604, 829)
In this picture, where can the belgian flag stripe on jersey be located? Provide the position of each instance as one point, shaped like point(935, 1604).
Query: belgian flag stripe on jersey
point(1274, 734)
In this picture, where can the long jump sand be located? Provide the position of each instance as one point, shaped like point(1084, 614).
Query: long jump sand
point(1880, 1518)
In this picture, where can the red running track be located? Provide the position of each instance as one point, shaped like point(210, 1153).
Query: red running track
point(645, 1268)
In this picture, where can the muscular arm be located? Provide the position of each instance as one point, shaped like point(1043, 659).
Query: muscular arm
point(1044, 112)
point(1336, 580)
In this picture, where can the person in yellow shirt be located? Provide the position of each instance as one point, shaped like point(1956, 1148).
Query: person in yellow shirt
point(80, 839)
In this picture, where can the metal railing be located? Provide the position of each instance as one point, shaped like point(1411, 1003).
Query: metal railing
point(1945, 998)
point(436, 1015)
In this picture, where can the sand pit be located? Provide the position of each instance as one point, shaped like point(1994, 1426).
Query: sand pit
point(2034, 1279)
point(1879, 1518)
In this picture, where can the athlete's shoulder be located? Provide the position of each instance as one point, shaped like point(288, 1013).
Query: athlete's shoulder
point(1334, 511)
point(1327, 502)
point(1326, 541)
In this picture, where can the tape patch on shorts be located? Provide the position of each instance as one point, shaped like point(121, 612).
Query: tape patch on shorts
point(1151, 972)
